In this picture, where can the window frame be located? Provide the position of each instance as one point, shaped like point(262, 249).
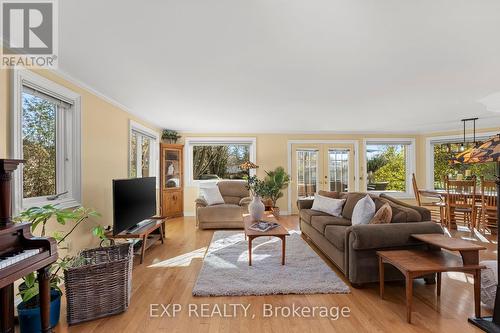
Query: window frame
point(190, 142)
point(154, 149)
point(68, 177)
point(429, 151)
point(410, 164)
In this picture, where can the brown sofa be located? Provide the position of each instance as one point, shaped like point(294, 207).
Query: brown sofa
point(228, 215)
point(353, 248)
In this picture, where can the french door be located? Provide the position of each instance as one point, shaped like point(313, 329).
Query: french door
point(315, 167)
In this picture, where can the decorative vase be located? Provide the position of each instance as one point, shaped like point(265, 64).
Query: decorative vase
point(256, 208)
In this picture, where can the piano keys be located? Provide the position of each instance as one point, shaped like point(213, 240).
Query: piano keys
point(20, 254)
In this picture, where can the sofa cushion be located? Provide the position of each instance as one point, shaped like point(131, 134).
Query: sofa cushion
point(220, 213)
point(233, 190)
point(383, 215)
point(307, 214)
point(328, 205)
point(320, 222)
point(425, 214)
point(352, 199)
point(336, 235)
point(363, 211)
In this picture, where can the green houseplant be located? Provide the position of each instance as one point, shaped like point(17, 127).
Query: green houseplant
point(258, 189)
point(170, 136)
point(274, 184)
point(39, 217)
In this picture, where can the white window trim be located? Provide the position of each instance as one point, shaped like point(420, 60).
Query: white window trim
point(72, 174)
point(410, 165)
point(188, 153)
point(429, 152)
point(154, 161)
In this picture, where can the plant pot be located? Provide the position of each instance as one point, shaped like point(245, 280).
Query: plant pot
point(256, 208)
point(276, 212)
point(30, 319)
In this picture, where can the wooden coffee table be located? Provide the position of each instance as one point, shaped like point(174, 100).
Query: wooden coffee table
point(279, 232)
point(417, 263)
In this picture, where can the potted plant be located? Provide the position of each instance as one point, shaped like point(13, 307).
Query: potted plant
point(170, 136)
point(29, 308)
point(276, 181)
point(258, 189)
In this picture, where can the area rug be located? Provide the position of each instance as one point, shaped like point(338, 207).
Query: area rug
point(225, 270)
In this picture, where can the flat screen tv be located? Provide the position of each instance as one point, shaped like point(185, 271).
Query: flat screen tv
point(134, 200)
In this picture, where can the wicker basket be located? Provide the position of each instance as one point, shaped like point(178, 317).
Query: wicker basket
point(102, 287)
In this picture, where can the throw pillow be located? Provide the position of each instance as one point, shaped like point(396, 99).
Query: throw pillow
point(383, 215)
point(363, 211)
point(212, 195)
point(328, 205)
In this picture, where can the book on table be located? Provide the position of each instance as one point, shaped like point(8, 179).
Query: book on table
point(263, 226)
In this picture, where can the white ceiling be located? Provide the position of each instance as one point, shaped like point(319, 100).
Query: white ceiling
point(288, 66)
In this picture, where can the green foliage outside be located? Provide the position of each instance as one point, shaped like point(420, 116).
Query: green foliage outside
point(389, 165)
point(222, 161)
point(39, 147)
point(442, 167)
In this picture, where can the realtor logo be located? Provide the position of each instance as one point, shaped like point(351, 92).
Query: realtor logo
point(29, 33)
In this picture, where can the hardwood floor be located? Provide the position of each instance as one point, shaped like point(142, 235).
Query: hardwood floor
point(170, 270)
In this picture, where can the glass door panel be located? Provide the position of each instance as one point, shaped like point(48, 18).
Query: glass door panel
point(338, 170)
point(172, 171)
point(307, 172)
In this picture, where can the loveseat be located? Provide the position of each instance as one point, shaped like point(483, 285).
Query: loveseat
point(229, 214)
point(353, 248)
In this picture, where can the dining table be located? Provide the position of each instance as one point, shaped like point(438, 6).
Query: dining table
point(442, 194)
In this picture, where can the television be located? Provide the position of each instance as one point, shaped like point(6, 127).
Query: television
point(134, 200)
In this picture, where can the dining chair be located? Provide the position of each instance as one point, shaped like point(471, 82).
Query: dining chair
point(488, 204)
point(461, 199)
point(437, 208)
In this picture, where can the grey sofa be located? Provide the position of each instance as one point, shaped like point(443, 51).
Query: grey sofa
point(353, 248)
point(228, 215)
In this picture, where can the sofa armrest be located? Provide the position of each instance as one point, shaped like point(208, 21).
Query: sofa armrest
point(379, 236)
point(201, 202)
point(245, 201)
point(305, 203)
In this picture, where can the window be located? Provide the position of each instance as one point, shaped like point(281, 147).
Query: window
point(143, 151)
point(218, 158)
point(443, 151)
point(389, 165)
point(46, 134)
point(307, 170)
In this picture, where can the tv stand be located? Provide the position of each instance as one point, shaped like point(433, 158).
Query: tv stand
point(143, 232)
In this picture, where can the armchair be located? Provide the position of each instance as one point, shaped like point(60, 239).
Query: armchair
point(230, 213)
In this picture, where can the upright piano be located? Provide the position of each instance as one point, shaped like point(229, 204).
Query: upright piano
point(20, 254)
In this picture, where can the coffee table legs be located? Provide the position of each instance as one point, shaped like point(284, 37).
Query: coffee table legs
point(409, 296)
point(381, 276)
point(283, 249)
point(250, 239)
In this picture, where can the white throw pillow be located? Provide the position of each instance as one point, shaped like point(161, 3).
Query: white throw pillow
point(328, 205)
point(363, 211)
point(212, 195)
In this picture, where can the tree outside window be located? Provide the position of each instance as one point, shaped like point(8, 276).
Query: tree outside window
point(220, 161)
point(386, 166)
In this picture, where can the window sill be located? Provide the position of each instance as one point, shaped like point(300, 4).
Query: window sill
point(395, 194)
point(64, 203)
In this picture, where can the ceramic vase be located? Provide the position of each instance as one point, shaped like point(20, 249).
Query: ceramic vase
point(256, 208)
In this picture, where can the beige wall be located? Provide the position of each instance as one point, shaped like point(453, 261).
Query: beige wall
point(105, 129)
point(272, 152)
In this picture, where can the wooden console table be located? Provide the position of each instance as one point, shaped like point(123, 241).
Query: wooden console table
point(417, 263)
point(144, 233)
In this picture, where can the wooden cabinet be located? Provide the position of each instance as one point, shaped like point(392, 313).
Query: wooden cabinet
point(171, 178)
